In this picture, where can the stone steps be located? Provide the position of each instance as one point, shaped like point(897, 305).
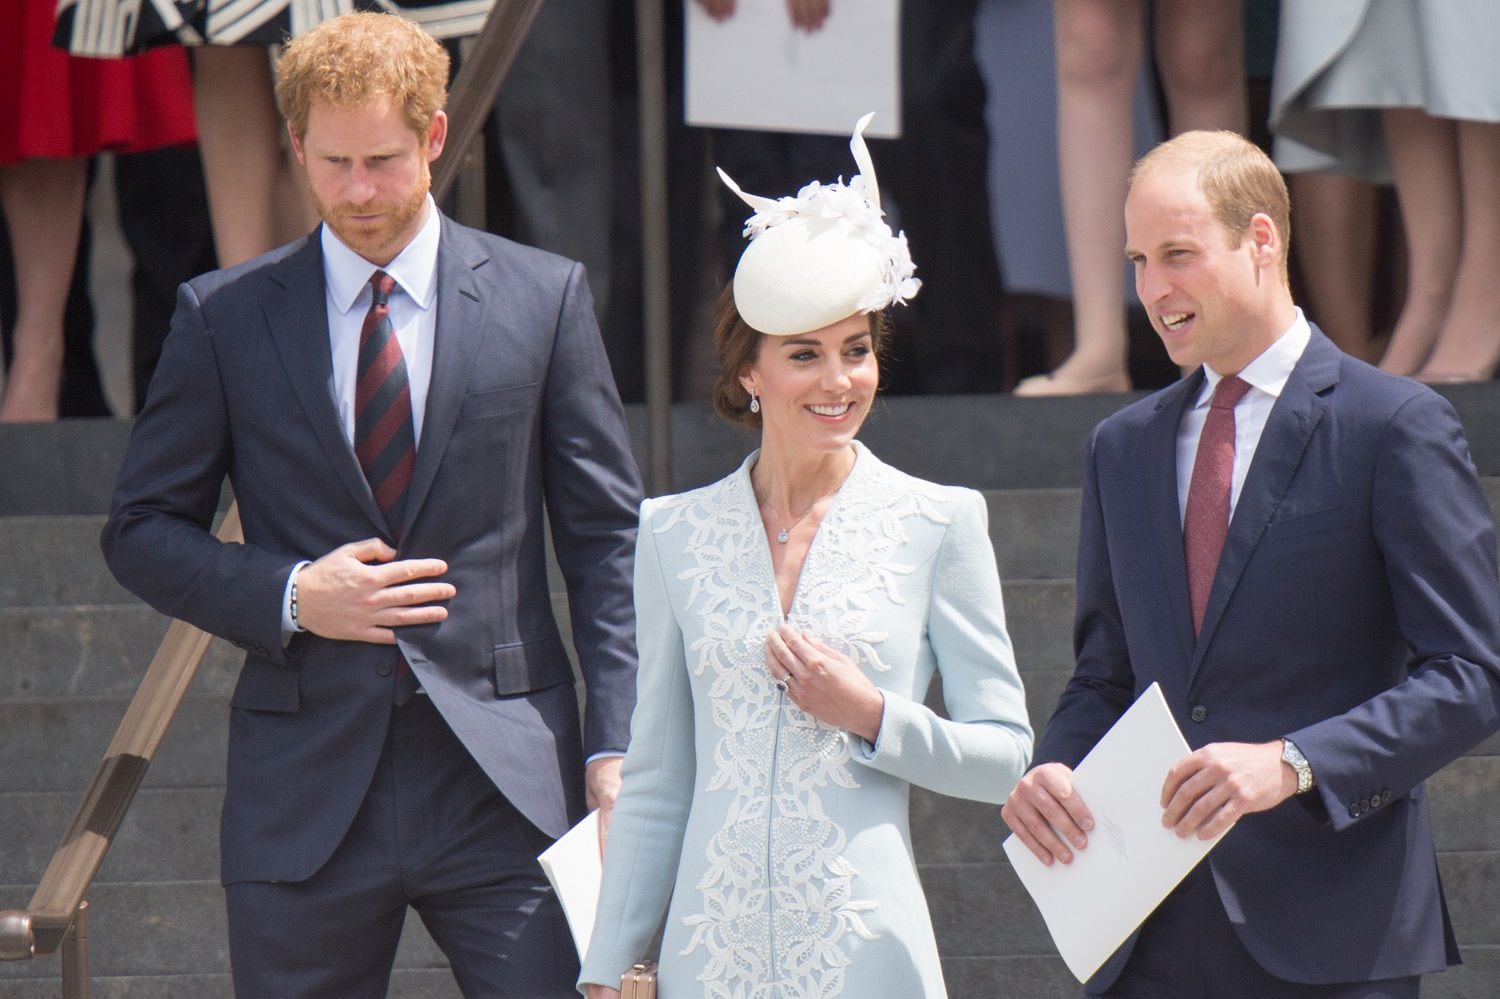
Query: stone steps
point(172, 832)
point(984, 441)
point(164, 929)
point(406, 983)
point(144, 928)
point(77, 644)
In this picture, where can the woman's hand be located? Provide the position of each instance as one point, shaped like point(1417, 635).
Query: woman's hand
point(825, 683)
point(600, 992)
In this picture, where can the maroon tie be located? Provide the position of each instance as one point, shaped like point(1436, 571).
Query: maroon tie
point(384, 434)
point(1207, 521)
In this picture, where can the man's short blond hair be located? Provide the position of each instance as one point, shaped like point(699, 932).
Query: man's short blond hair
point(1236, 177)
point(352, 59)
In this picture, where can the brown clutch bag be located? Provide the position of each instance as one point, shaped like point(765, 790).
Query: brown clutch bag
point(639, 982)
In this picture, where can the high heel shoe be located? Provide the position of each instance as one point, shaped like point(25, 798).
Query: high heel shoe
point(1054, 384)
point(1453, 378)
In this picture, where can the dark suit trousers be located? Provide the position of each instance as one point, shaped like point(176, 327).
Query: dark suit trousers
point(433, 833)
point(1188, 950)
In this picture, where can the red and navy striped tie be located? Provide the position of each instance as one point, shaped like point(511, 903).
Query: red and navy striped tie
point(384, 435)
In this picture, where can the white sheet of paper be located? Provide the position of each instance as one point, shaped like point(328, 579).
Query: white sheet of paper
point(573, 866)
point(1131, 863)
point(756, 71)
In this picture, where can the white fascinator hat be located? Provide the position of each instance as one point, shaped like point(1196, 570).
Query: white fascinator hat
point(821, 256)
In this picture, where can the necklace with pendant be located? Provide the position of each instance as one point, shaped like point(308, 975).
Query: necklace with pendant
point(785, 533)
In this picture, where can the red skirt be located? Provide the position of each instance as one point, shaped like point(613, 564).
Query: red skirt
point(55, 105)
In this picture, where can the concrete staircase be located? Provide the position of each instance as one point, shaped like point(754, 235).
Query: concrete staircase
point(75, 645)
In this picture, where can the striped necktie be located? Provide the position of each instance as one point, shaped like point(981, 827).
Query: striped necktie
point(384, 433)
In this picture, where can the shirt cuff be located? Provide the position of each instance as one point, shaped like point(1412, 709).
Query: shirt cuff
point(288, 626)
point(603, 754)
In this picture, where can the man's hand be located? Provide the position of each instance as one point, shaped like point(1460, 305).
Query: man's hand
point(357, 593)
point(601, 784)
point(1043, 805)
point(600, 992)
point(1208, 791)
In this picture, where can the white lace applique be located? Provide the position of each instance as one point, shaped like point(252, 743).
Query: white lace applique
point(778, 894)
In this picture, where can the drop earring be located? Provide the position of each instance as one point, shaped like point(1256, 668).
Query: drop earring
point(754, 403)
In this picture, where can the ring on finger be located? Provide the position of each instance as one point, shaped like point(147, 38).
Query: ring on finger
point(781, 682)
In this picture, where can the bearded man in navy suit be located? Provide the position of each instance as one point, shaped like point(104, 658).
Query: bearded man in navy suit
point(396, 400)
point(1310, 574)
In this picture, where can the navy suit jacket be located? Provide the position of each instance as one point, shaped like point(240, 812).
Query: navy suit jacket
point(1354, 611)
point(522, 415)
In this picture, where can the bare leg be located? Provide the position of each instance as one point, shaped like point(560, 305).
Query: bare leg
point(1424, 157)
point(1335, 249)
point(1200, 54)
point(239, 135)
point(1468, 346)
point(1099, 44)
point(43, 201)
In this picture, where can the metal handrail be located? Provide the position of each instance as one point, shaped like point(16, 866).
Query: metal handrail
point(58, 914)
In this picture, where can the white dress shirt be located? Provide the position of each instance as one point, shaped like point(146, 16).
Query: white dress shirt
point(346, 276)
point(1267, 375)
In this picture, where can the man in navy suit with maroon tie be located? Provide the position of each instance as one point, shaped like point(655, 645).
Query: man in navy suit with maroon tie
point(395, 399)
point(1296, 547)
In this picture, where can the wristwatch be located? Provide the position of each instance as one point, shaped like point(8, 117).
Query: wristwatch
point(1292, 757)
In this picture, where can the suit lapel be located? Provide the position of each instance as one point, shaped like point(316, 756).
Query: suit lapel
point(298, 320)
point(1293, 419)
point(461, 325)
point(1164, 508)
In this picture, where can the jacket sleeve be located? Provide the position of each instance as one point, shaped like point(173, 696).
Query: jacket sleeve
point(645, 836)
point(592, 493)
point(1103, 683)
point(981, 749)
point(1435, 532)
point(157, 540)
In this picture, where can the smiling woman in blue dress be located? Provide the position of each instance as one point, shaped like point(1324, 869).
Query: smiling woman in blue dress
point(790, 618)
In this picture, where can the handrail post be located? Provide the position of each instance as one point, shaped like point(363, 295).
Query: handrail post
point(655, 277)
point(17, 943)
point(74, 956)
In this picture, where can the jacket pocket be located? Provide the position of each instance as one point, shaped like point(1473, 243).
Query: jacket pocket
point(499, 401)
point(1326, 520)
point(264, 686)
point(521, 667)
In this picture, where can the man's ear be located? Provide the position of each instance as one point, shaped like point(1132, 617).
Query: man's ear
point(1265, 240)
point(437, 135)
point(296, 144)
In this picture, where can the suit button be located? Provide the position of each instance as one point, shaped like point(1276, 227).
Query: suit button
point(383, 668)
point(1354, 810)
point(1199, 713)
point(1385, 797)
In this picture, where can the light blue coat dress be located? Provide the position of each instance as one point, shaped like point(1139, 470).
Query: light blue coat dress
point(787, 839)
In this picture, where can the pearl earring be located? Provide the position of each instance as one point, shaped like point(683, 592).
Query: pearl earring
point(754, 403)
